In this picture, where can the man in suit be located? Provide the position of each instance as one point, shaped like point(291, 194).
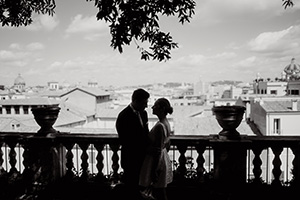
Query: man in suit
point(132, 129)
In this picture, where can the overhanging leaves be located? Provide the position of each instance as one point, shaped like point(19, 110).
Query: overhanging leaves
point(19, 12)
point(139, 20)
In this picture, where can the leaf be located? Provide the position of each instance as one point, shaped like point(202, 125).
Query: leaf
point(287, 3)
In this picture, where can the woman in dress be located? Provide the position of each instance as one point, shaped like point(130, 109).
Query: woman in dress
point(156, 172)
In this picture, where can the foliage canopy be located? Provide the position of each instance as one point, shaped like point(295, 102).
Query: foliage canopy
point(129, 20)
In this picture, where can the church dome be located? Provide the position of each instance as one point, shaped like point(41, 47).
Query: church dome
point(19, 80)
point(292, 68)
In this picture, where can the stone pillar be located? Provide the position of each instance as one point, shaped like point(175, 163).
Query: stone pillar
point(45, 158)
point(230, 158)
point(43, 166)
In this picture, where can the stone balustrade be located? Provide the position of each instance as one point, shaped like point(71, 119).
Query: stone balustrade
point(39, 165)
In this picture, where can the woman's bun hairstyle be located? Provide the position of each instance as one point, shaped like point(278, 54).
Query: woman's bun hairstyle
point(164, 103)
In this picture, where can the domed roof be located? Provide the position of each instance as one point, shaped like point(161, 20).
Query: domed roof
point(292, 68)
point(19, 80)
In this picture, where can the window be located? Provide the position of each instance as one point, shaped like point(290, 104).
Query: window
point(17, 110)
point(273, 91)
point(276, 126)
point(25, 110)
point(8, 111)
point(15, 126)
point(294, 92)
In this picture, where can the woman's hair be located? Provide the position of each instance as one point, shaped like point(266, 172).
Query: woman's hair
point(164, 103)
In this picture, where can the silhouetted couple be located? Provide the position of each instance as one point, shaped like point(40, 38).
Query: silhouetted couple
point(144, 154)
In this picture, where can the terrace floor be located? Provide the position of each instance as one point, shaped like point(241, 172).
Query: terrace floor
point(94, 191)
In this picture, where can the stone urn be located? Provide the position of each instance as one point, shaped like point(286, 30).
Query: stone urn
point(45, 116)
point(229, 118)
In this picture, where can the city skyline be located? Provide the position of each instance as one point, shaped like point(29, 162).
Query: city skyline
point(227, 40)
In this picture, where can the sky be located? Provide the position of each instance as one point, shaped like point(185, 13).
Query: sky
point(225, 40)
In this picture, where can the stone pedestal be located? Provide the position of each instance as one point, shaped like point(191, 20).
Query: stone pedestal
point(43, 166)
point(230, 163)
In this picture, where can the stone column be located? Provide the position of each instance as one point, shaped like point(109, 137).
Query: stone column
point(45, 158)
point(230, 158)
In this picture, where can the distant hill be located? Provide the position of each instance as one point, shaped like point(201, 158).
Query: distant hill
point(226, 82)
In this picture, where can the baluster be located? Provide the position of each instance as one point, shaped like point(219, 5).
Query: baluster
point(26, 162)
point(200, 162)
point(276, 165)
point(25, 156)
point(69, 160)
point(84, 158)
point(115, 160)
point(99, 158)
point(257, 162)
point(1, 159)
point(12, 158)
point(182, 160)
point(296, 166)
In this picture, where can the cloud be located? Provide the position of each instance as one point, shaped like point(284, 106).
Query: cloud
point(283, 42)
point(31, 46)
point(88, 26)
point(108, 68)
point(225, 55)
point(267, 40)
point(35, 46)
point(43, 22)
point(21, 55)
point(210, 12)
point(6, 56)
point(56, 64)
point(15, 46)
point(77, 65)
point(247, 62)
point(11, 58)
point(209, 67)
point(199, 59)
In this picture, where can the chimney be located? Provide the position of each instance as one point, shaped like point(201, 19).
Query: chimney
point(294, 105)
point(261, 102)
